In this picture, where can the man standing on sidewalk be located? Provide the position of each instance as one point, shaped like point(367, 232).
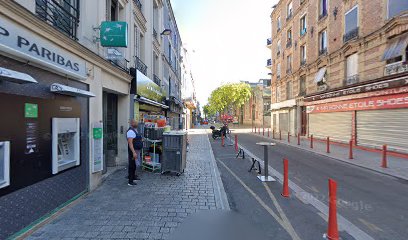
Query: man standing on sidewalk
point(135, 144)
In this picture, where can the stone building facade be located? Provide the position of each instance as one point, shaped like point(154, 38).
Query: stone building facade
point(339, 70)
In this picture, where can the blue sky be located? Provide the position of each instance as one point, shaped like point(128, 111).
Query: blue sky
point(228, 38)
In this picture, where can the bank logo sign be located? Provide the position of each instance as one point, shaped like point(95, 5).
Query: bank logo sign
point(21, 42)
point(114, 34)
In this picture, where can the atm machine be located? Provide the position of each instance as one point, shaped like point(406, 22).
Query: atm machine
point(4, 164)
point(65, 144)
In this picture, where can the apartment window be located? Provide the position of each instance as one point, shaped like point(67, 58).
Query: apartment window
point(278, 93)
point(323, 42)
point(289, 38)
point(279, 23)
point(279, 47)
point(289, 89)
point(289, 64)
point(290, 10)
point(156, 20)
point(278, 70)
point(4, 164)
point(352, 69)
point(135, 41)
point(351, 24)
point(62, 14)
point(395, 7)
point(323, 8)
point(302, 55)
point(302, 85)
point(303, 25)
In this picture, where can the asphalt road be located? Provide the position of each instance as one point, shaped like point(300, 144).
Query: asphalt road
point(375, 203)
point(246, 194)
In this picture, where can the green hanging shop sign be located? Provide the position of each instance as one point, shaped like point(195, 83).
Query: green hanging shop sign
point(114, 34)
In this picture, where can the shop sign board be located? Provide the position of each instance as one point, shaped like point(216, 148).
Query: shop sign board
point(97, 147)
point(398, 82)
point(21, 42)
point(148, 89)
point(374, 103)
point(31, 110)
point(114, 34)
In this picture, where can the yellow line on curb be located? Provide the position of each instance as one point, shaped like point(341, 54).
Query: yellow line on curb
point(261, 202)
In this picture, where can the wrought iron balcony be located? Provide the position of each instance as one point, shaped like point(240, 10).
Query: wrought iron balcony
point(269, 63)
point(303, 32)
point(156, 80)
point(289, 16)
point(289, 44)
point(141, 66)
point(350, 35)
point(62, 14)
point(138, 4)
point(395, 68)
point(323, 15)
point(322, 51)
point(351, 80)
point(155, 34)
point(302, 62)
point(269, 41)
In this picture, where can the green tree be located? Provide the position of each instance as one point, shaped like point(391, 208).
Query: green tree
point(228, 95)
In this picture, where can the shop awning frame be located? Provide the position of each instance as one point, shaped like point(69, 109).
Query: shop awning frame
point(396, 48)
point(16, 77)
point(70, 91)
point(151, 102)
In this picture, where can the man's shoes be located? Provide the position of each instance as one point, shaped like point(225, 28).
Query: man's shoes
point(131, 183)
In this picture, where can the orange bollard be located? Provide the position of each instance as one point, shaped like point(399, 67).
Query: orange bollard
point(298, 137)
point(259, 131)
point(273, 134)
point(255, 129)
point(236, 143)
point(384, 157)
point(263, 131)
point(351, 149)
point(328, 145)
point(285, 190)
point(332, 230)
point(268, 132)
point(280, 135)
point(311, 141)
point(222, 141)
point(288, 137)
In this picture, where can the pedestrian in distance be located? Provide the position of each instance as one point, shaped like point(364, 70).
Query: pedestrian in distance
point(135, 144)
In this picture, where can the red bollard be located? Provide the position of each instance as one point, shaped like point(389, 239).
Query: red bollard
point(298, 137)
point(285, 191)
point(288, 137)
point(259, 131)
point(328, 145)
point(384, 157)
point(236, 143)
point(255, 129)
point(222, 141)
point(268, 132)
point(311, 141)
point(332, 230)
point(273, 134)
point(280, 135)
point(263, 131)
point(351, 149)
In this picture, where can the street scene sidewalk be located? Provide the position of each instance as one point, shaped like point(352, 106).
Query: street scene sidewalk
point(151, 210)
point(396, 166)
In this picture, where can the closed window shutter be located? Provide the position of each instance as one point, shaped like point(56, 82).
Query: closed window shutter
point(352, 65)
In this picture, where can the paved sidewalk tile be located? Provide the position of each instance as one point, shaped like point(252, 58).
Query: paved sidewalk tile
point(397, 167)
point(151, 210)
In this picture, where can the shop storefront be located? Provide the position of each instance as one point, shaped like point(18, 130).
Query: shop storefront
point(284, 117)
point(371, 115)
point(44, 148)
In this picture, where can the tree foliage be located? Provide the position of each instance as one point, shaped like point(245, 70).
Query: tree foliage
point(228, 95)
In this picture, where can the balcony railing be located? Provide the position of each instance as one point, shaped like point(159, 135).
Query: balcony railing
point(323, 15)
point(322, 51)
point(155, 34)
point(395, 68)
point(289, 70)
point(350, 35)
point(138, 4)
point(62, 14)
point(302, 62)
point(351, 80)
point(141, 66)
point(303, 32)
point(289, 44)
point(289, 16)
point(269, 41)
point(156, 80)
point(269, 62)
point(278, 53)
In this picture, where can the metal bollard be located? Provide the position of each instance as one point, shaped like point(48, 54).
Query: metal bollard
point(384, 157)
point(351, 149)
point(328, 145)
point(311, 141)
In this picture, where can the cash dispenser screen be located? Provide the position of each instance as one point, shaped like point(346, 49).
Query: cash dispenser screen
point(4, 164)
point(65, 143)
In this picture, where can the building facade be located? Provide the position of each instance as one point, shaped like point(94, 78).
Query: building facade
point(70, 87)
point(255, 112)
point(339, 70)
point(188, 93)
